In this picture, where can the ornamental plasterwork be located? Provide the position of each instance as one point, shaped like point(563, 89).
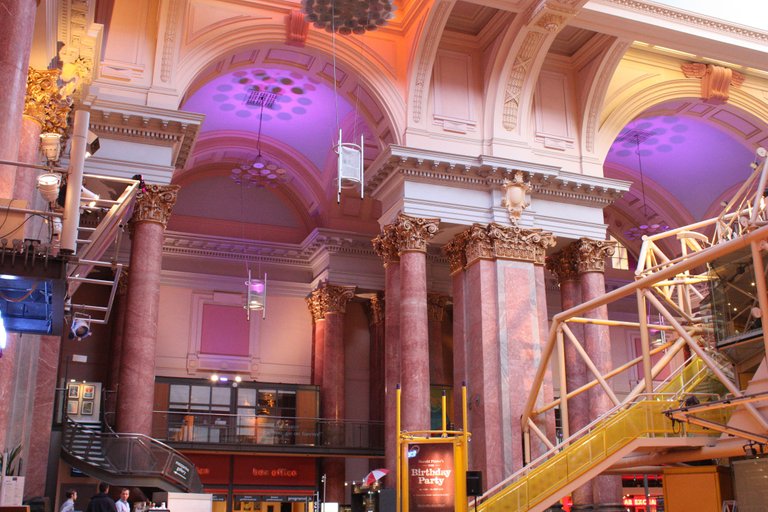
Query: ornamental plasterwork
point(455, 251)
point(436, 306)
point(44, 103)
point(479, 245)
point(177, 130)
point(718, 25)
point(414, 233)
point(514, 243)
point(564, 264)
point(716, 81)
point(80, 50)
point(154, 204)
point(514, 199)
point(489, 173)
point(375, 307)
point(427, 57)
point(592, 254)
point(520, 69)
point(329, 299)
point(386, 245)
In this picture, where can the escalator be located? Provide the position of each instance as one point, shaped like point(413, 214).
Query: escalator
point(129, 460)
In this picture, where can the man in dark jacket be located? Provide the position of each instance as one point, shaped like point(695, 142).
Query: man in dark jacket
point(102, 502)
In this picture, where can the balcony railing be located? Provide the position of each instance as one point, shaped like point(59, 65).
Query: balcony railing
point(271, 433)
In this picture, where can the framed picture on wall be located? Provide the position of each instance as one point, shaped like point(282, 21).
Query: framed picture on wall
point(72, 408)
point(88, 392)
point(87, 409)
point(73, 391)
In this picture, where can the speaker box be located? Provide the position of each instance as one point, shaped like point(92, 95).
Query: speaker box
point(474, 483)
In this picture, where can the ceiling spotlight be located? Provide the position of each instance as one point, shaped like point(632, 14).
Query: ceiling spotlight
point(48, 185)
point(89, 196)
point(92, 145)
point(214, 378)
point(50, 144)
point(80, 328)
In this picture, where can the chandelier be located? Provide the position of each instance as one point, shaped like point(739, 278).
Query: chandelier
point(645, 228)
point(259, 172)
point(348, 16)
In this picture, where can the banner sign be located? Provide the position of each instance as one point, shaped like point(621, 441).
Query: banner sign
point(431, 479)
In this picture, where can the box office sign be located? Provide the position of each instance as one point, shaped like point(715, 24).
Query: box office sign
point(431, 479)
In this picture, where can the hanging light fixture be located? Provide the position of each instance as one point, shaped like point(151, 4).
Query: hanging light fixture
point(348, 16)
point(256, 295)
point(259, 172)
point(50, 145)
point(646, 227)
point(349, 166)
point(48, 185)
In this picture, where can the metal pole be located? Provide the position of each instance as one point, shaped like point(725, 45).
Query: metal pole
point(74, 182)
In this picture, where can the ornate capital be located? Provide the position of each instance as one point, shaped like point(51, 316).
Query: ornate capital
point(44, 103)
point(514, 243)
point(592, 254)
point(386, 245)
point(413, 233)
point(328, 298)
point(122, 282)
point(479, 245)
point(376, 310)
point(514, 200)
point(564, 264)
point(456, 252)
point(436, 306)
point(154, 204)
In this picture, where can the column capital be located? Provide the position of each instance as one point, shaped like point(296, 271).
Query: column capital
point(592, 254)
point(154, 204)
point(456, 252)
point(328, 298)
point(43, 101)
point(376, 310)
point(564, 264)
point(515, 243)
point(386, 246)
point(436, 303)
point(479, 245)
point(413, 233)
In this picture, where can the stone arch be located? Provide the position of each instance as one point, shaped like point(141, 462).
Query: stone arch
point(231, 38)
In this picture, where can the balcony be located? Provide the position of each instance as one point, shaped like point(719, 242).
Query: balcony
point(269, 434)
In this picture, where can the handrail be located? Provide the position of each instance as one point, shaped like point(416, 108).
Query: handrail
point(130, 454)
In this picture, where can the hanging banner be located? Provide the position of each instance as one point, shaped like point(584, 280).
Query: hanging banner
point(431, 480)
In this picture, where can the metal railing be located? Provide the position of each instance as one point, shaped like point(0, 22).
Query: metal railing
point(248, 431)
point(129, 456)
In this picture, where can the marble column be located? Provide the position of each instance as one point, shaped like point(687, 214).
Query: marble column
point(413, 235)
point(328, 305)
point(116, 350)
point(606, 490)
point(135, 394)
point(386, 247)
point(376, 369)
point(42, 416)
point(8, 358)
point(564, 266)
point(456, 254)
point(17, 26)
point(436, 304)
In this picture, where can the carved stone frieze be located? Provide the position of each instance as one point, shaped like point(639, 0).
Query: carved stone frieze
point(154, 204)
point(386, 245)
point(592, 254)
point(479, 245)
point(564, 264)
point(413, 233)
point(297, 27)
point(456, 252)
point(716, 81)
point(328, 298)
point(514, 243)
point(44, 103)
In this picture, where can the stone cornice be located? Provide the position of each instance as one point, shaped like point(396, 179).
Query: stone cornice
point(136, 123)
point(689, 18)
point(488, 172)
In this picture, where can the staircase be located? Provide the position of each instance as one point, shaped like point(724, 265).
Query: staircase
point(643, 425)
point(131, 460)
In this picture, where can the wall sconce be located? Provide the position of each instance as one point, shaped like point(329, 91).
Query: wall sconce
point(48, 185)
point(514, 196)
point(50, 144)
point(92, 144)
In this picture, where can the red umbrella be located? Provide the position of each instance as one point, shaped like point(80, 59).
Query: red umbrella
point(374, 476)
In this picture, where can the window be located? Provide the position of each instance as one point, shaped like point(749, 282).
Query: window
point(620, 258)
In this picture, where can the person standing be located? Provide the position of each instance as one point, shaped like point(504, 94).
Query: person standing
point(101, 502)
point(69, 505)
point(122, 504)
